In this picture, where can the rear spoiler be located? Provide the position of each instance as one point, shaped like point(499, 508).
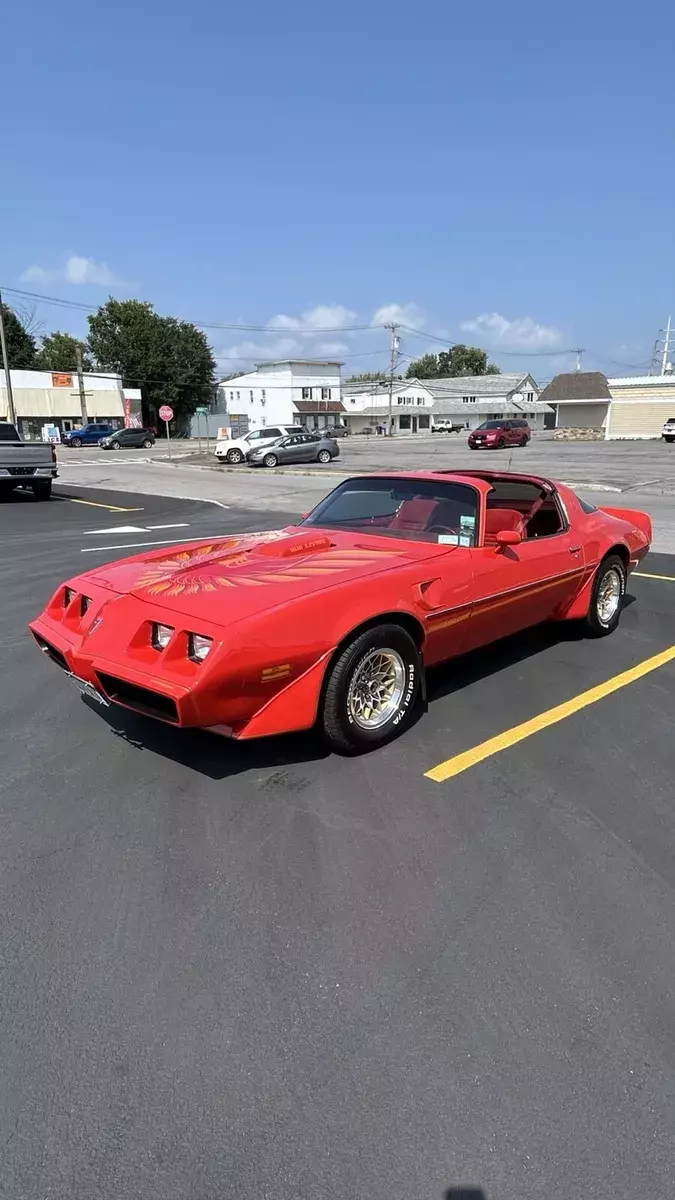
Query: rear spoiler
point(634, 517)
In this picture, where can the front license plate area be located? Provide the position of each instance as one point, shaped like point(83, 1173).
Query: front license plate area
point(89, 690)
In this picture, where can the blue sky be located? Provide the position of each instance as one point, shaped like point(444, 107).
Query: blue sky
point(497, 173)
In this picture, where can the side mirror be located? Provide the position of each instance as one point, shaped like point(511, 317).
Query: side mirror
point(508, 537)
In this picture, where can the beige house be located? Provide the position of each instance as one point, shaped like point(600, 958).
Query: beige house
point(634, 406)
point(641, 404)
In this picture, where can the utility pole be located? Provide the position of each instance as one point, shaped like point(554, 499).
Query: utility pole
point(8, 379)
point(666, 348)
point(80, 384)
point(394, 343)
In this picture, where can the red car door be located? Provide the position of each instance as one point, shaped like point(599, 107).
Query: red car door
point(518, 586)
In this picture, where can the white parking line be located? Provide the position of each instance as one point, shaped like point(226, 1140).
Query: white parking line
point(135, 528)
point(215, 537)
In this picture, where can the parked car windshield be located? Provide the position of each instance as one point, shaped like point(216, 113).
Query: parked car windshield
point(491, 425)
point(418, 510)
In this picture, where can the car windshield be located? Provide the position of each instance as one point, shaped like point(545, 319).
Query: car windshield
point(417, 510)
point(491, 425)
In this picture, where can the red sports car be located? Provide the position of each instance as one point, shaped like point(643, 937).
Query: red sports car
point(333, 621)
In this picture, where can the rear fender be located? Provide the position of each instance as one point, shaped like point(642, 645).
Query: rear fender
point(632, 516)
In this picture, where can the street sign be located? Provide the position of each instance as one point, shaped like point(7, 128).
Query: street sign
point(202, 412)
point(166, 413)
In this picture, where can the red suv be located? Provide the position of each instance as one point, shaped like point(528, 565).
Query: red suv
point(497, 434)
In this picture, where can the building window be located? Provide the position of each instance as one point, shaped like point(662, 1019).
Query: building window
point(251, 395)
point(420, 400)
point(238, 397)
point(402, 400)
point(231, 397)
point(263, 395)
point(404, 421)
point(307, 393)
point(423, 422)
point(529, 396)
point(325, 393)
point(352, 400)
point(468, 399)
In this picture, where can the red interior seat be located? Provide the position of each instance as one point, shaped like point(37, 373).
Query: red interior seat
point(414, 514)
point(497, 519)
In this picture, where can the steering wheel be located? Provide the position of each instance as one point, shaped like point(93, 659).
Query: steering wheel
point(441, 529)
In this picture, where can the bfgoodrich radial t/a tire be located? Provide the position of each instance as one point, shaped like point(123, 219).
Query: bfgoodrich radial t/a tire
point(372, 690)
point(607, 593)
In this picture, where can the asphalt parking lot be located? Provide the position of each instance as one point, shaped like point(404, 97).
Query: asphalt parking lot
point(263, 970)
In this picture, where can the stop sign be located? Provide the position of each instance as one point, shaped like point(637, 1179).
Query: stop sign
point(166, 413)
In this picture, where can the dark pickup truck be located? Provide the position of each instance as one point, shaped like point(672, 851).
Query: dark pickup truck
point(29, 465)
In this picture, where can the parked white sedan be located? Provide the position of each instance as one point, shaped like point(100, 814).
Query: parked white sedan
point(668, 431)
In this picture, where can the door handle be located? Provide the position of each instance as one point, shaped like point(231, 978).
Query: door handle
point(575, 549)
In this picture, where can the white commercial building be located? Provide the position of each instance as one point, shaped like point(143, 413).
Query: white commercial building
point(53, 398)
point(287, 392)
point(466, 401)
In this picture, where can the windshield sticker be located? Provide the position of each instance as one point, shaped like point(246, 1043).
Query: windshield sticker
point(465, 541)
point(447, 539)
point(467, 522)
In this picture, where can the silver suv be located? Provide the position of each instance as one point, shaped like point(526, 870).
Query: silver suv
point(668, 431)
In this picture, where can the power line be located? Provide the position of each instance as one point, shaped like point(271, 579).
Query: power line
point(78, 305)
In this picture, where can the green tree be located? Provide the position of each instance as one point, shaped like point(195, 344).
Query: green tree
point(170, 360)
point(457, 360)
point(425, 367)
point(20, 343)
point(58, 352)
point(366, 377)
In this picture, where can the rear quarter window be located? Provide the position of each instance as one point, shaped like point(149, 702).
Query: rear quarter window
point(585, 506)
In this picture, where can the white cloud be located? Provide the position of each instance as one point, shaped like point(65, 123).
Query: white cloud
point(77, 270)
point(249, 351)
point(323, 316)
point(86, 270)
point(400, 314)
point(522, 333)
point(326, 348)
point(35, 274)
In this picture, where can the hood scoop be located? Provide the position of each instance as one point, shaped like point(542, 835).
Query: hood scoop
point(294, 546)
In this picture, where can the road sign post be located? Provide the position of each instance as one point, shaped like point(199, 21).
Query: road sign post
point(166, 415)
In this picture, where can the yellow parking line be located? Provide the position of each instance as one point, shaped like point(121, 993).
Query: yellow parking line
point(97, 504)
point(469, 758)
point(646, 575)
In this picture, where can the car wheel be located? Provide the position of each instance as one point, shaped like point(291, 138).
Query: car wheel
point(234, 457)
point(669, 439)
point(115, 446)
point(607, 593)
point(372, 691)
point(42, 490)
point(147, 444)
point(270, 460)
point(525, 441)
point(323, 456)
point(76, 442)
point(501, 444)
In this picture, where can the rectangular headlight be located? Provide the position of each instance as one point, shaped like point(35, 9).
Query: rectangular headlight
point(161, 635)
point(198, 646)
point(69, 595)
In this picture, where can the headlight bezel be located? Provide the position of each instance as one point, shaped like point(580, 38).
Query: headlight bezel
point(161, 635)
point(198, 654)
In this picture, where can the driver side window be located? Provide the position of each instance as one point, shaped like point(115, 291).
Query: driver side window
point(523, 507)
